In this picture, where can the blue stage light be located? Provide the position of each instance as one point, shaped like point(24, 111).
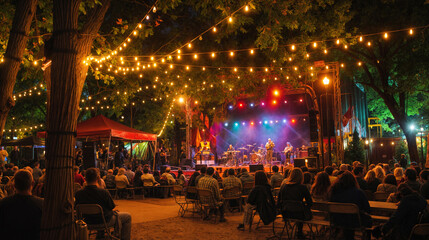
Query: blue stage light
point(236, 124)
point(265, 122)
point(226, 124)
point(277, 121)
point(284, 121)
point(244, 123)
point(230, 107)
point(252, 104)
point(271, 121)
point(260, 122)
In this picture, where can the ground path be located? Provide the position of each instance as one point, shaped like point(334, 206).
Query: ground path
point(155, 218)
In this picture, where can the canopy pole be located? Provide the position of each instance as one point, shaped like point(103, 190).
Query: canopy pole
point(108, 152)
point(154, 154)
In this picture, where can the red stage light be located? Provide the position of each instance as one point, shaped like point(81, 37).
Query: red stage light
point(300, 100)
point(276, 92)
point(274, 102)
point(293, 120)
point(263, 104)
point(285, 101)
point(240, 105)
point(251, 123)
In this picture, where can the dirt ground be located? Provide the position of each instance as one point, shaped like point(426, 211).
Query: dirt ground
point(158, 219)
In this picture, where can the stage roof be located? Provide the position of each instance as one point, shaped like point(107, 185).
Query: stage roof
point(27, 141)
point(102, 127)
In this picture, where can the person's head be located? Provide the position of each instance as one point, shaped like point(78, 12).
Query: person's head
point(167, 170)
point(399, 173)
point(343, 167)
point(379, 173)
point(145, 170)
point(308, 178)
point(23, 182)
point(404, 190)
point(121, 171)
point(15, 148)
point(275, 168)
point(15, 168)
point(110, 172)
point(410, 174)
point(329, 170)
point(358, 171)
point(36, 164)
point(28, 168)
point(418, 169)
point(413, 164)
point(396, 165)
point(244, 170)
point(210, 171)
point(231, 172)
point(402, 156)
point(286, 172)
point(371, 166)
point(179, 172)
point(386, 168)
point(296, 176)
point(91, 176)
point(203, 170)
point(121, 149)
point(370, 176)
point(355, 164)
point(344, 182)
point(424, 175)
point(156, 173)
point(304, 169)
point(321, 184)
point(76, 169)
point(261, 178)
point(390, 179)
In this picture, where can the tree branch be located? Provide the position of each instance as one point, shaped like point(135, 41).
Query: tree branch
point(95, 18)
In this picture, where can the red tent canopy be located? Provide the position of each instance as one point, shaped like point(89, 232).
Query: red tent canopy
point(102, 127)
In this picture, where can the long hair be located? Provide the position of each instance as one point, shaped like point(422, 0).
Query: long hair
point(193, 177)
point(321, 184)
point(344, 182)
point(379, 173)
point(399, 173)
point(370, 176)
point(260, 178)
point(296, 176)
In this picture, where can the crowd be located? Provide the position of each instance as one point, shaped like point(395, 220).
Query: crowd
point(22, 190)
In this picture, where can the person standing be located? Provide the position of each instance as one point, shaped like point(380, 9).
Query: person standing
point(14, 156)
point(403, 161)
point(119, 158)
point(288, 151)
point(270, 149)
point(3, 156)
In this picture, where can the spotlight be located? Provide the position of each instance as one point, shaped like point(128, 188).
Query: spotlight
point(274, 102)
point(293, 120)
point(240, 105)
point(263, 104)
point(276, 92)
point(244, 123)
point(252, 123)
point(284, 121)
point(300, 100)
point(226, 124)
point(230, 107)
point(285, 101)
point(265, 122)
point(277, 121)
point(271, 121)
point(236, 124)
point(252, 104)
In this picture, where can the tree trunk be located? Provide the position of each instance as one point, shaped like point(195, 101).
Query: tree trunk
point(68, 75)
point(24, 13)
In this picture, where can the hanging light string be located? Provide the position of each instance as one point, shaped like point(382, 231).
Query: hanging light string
point(36, 90)
point(166, 118)
point(25, 129)
point(127, 40)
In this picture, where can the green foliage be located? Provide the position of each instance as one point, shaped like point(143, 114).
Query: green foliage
point(355, 150)
point(401, 148)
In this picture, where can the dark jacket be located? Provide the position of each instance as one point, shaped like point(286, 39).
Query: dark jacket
point(372, 186)
point(91, 194)
point(362, 183)
point(406, 216)
point(356, 196)
point(262, 197)
point(295, 192)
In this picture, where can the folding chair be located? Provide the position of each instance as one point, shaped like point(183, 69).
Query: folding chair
point(337, 212)
point(147, 188)
point(421, 230)
point(208, 202)
point(95, 209)
point(381, 196)
point(193, 190)
point(294, 213)
point(231, 194)
point(180, 199)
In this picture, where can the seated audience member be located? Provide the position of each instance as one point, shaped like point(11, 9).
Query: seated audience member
point(405, 217)
point(399, 175)
point(396, 165)
point(379, 173)
point(137, 181)
point(121, 180)
point(192, 183)
point(372, 181)
point(358, 173)
point(292, 189)
point(181, 178)
point(355, 164)
point(343, 168)
point(320, 188)
point(232, 181)
point(8, 172)
point(209, 183)
point(411, 179)
point(129, 173)
point(330, 170)
point(346, 190)
point(156, 175)
point(203, 172)
point(148, 179)
point(91, 194)
point(109, 179)
point(168, 176)
point(21, 213)
point(371, 167)
point(424, 178)
point(286, 172)
point(225, 174)
point(261, 199)
point(308, 180)
point(246, 177)
point(276, 179)
point(37, 172)
point(386, 169)
point(388, 185)
point(78, 178)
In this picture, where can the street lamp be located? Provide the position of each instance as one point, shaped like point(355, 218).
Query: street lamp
point(326, 83)
point(188, 124)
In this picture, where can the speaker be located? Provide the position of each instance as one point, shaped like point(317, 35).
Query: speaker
point(256, 167)
point(312, 151)
point(314, 133)
point(301, 162)
point(199, 166)
point(89, 154)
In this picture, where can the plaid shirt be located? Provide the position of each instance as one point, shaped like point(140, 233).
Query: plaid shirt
point(209, 183)
point(230, 182)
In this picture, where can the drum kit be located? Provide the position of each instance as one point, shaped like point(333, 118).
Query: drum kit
point(236, 158)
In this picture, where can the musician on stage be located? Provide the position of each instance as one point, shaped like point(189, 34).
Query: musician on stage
point(288, 151)
point(270, 149)
point(231, 148)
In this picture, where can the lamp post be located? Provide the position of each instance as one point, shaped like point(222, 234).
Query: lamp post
point(188, 119)
point(326, 83)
